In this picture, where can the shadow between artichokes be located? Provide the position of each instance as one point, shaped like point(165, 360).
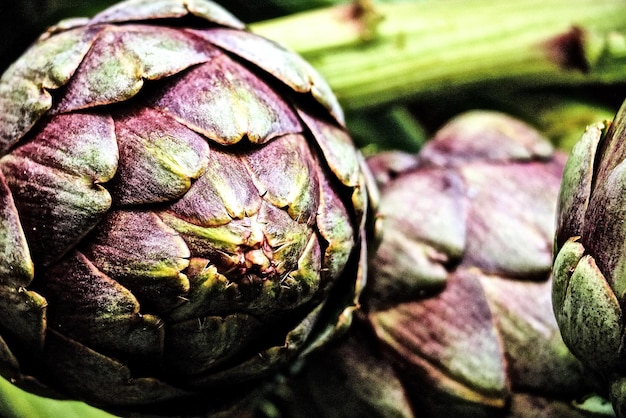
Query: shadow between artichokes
point(182, 210)
point(457, 316)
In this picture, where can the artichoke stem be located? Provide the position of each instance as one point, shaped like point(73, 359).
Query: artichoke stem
point(423, 49)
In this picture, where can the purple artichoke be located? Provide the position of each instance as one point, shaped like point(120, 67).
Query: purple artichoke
point(182, 210)
point(588, 292)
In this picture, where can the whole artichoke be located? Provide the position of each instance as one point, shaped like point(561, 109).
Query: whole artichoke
point(457, 317)
point(182, 209)
point(589, 276)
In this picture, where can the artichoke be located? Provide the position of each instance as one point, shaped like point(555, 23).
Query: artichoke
point(182, 210)
point(588, 292)
point(457, 317)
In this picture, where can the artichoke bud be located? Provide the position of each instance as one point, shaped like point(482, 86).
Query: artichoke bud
point(457, 317)
point(479, 334)
point(590, 285)
point(475, 196)
point(182, 209)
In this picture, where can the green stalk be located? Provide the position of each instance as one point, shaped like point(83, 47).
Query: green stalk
point(421, 49)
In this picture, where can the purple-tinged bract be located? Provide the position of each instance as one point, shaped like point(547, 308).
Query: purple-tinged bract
point(182, 209)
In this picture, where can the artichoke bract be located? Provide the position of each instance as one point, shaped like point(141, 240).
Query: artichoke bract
point(182, 209)
point(457, 316)
point(589, 280)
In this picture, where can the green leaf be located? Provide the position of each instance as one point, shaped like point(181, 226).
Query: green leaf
point(17, 403)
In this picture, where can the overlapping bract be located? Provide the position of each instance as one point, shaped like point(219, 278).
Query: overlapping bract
point(182, 208)
point(481, 204)
point(589, 280)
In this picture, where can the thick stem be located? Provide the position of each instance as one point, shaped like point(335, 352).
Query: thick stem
point(417, 49)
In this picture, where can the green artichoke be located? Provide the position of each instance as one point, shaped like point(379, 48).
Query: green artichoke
point(589, 280)
point(182, 210)
point(457, 317)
